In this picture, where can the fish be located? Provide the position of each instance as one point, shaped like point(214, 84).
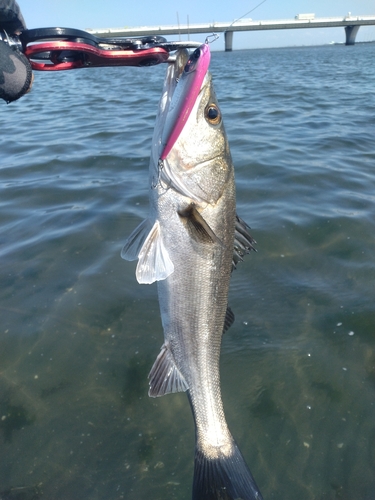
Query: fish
point(189, 244)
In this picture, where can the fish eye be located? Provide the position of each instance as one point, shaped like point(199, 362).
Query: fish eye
point(213, 114)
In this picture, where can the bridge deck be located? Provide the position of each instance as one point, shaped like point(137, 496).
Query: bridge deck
point(242, 25)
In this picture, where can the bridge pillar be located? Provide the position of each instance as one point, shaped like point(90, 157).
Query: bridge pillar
point(351, 32)
point(228, 37)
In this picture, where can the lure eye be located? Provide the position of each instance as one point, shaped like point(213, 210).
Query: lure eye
point(196, 54)
point(213, 115)
point(192, 62)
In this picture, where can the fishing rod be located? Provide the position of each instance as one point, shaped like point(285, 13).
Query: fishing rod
point(56, 49)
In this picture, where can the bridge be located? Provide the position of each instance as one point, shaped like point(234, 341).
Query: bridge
point(350, 23)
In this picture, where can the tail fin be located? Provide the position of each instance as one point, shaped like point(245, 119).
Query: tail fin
point(223, 478)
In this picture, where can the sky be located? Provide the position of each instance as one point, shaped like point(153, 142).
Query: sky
point(83, 14)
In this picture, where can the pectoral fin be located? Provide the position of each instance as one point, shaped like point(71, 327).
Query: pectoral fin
point(165, 377)
point(197, 226)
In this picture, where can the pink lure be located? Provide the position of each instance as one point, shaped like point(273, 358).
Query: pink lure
point(184, 97)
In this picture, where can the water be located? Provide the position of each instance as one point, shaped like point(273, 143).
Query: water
point(78, 335)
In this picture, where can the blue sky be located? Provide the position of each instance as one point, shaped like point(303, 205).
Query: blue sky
point(119, 13)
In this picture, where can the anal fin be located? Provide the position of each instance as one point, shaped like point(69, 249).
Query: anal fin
point(165, 377)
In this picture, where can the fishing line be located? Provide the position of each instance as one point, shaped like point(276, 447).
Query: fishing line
point(259, 4)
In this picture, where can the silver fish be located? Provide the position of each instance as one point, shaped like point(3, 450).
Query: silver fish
point(189, 244)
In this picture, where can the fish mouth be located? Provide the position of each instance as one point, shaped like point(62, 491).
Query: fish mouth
point(174, 74)
point(183, 85)
point(183, 95)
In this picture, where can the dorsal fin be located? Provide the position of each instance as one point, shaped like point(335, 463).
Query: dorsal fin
point(229, 319)
point(243, 241)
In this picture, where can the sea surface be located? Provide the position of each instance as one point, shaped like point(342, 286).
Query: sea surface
point(78, 334)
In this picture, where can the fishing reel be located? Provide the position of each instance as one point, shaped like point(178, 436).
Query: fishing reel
point(55, 49)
